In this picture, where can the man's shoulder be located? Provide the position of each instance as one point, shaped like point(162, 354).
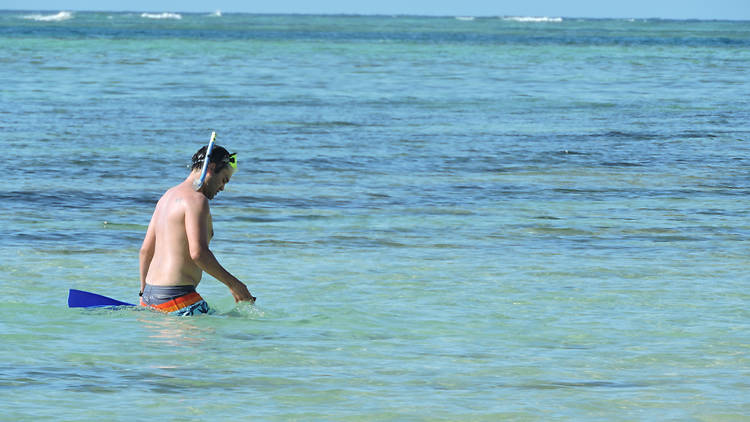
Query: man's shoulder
point(189, 197)
point(181, 194)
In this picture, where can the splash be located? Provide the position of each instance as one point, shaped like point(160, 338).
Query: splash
point(244, 310)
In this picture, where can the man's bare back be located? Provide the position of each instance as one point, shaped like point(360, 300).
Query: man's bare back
point(172, 264)
point(175, 250)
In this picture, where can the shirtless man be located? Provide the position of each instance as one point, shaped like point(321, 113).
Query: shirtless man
point(175, 251)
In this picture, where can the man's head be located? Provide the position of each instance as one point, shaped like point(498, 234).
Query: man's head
point(221, 167)
point(219, 156)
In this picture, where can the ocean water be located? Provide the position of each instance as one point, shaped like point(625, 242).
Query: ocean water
point(442, 218)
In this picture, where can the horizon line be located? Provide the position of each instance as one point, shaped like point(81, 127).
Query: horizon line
point(371, 14)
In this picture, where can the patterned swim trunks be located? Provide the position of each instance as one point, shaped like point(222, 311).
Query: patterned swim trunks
point(174, 300)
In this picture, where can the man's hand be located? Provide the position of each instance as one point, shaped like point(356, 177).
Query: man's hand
point(240, 293)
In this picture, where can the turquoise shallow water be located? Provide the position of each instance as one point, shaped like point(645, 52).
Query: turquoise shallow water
point(442, 219)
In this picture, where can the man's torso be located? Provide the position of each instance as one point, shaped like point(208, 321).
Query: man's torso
point(172, 264)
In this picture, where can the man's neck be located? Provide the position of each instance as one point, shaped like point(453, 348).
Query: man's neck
point(192, 181)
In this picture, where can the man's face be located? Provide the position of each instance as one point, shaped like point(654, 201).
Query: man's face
point(217, 181)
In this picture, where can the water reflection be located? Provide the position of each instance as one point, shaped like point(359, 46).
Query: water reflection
point(175, 331)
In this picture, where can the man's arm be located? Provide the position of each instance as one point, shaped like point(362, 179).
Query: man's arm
point(196, 226)
point(147, 252)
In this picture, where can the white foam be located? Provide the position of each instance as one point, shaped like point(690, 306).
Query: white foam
point(164, 15)
point(465, 18)
point(59, 17)
point(216, 14)
point(532, 19)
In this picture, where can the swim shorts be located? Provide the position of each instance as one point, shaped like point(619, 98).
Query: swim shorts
point(174, 300)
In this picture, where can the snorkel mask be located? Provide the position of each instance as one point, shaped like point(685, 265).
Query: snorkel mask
point(231, 159)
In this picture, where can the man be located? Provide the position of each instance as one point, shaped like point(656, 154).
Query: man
point(175, 251)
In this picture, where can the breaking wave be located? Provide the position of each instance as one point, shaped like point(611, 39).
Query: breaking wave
point(59, 17)
point(532, 19)
point(164, 15)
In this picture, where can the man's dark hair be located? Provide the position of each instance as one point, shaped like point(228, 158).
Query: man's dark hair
point(218, 156)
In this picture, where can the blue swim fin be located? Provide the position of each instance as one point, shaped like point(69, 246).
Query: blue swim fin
point(81, 299)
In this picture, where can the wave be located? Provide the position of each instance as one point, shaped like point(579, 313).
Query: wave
point(216, 14)
point(59, 17)
point(164, 15)
point(532, 19)
point(465, 18)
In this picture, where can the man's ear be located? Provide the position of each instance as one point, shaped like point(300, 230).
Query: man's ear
point(211, 168)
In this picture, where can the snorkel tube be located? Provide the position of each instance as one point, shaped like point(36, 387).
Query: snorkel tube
point(198, 183)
